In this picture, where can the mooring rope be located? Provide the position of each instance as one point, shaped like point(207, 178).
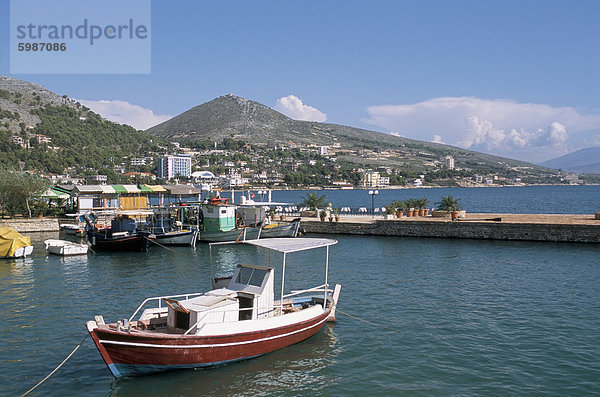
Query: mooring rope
point(160, 245)
point(90, 248)
point(368, 322)
point(55, 369)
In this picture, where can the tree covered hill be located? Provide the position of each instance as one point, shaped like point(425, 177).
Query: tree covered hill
point(232, 117)
point(79, 139)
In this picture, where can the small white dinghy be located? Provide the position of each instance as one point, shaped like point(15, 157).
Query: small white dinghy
point(65, 248)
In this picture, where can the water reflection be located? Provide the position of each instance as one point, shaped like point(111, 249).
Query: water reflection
point(294, 369)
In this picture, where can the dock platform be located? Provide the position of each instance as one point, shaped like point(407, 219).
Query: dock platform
point(523, 227)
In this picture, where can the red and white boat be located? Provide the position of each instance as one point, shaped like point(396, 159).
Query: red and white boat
point(238, 320)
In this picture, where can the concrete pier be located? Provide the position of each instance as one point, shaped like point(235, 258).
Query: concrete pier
point(524, 227)
point(28, 225)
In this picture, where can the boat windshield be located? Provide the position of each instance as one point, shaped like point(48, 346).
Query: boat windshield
point(251, 276)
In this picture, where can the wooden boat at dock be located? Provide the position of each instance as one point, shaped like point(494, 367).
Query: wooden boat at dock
point(168, 230)
point(237, 320)
point(177, 237)
point(72, 229)
point(281, 229)
point(220, 223)
point(65, 248)
point(122, 235)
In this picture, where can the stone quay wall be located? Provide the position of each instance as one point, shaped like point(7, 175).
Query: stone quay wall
point(29, 225)
point(461, 230)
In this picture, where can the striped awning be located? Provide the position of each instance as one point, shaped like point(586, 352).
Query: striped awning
point(119, 188)
point(107, 189)
point(156, 188)
point(132, 188)
point(54, 194)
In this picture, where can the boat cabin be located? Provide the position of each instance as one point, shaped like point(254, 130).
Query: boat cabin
point(218, 218)
point(248, 296)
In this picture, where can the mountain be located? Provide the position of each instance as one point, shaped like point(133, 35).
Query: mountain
point(18, 97)
point(230, 116)
point(584, 161)
point(40, 130)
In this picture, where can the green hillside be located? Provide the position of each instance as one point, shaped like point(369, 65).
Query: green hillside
point(80, 139)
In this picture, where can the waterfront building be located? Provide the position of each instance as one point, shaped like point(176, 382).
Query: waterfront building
point(371, 179)
point(131, 197)
point(233, 180)
point(173, 166)
point(206, 178)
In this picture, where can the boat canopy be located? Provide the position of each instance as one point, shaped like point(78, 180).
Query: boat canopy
point(286, 245)
point(11, 241)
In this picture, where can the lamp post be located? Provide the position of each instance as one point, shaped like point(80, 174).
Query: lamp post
point(372, 193)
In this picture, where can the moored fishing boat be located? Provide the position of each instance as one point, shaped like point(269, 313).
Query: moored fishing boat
point(13, 244)
point(65, 248)
point(220, 223)
point(168, 230)
point(281, 229)
point(122, 235)
point(72, 229)
point(177, 237)
point(239, 321)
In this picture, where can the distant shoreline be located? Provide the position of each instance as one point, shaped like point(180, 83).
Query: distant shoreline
point(406, 187)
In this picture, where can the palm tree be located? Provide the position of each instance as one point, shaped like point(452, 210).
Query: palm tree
point(313, 201)
point(448, 203)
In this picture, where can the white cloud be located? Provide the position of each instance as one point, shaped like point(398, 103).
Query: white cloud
point(528, 131)
point(124, 112)
point(293, 107)
point(437, 139)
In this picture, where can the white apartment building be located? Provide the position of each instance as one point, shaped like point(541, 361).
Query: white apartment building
point(170, 167)
point(448, 162)
point(371, 179)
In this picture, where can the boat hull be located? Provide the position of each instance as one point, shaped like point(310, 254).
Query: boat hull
point(126, 243)
point(142, 353)
point(187, 237)
point(73, 230)
point(65, 248)
point(281, 230)
point(21, 252)
point(252, 233)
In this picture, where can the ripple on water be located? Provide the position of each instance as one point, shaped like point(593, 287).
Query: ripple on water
point(470, 318)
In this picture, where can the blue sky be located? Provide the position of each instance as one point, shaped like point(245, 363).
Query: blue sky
point(513, 78)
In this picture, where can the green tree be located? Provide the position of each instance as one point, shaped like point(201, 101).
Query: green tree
point(17, 187)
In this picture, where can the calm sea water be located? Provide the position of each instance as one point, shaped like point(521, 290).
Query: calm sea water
point(528, 200)
point(461, 317)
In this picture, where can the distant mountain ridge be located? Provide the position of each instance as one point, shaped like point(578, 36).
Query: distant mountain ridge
point(584, 161)
point(230, 116)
